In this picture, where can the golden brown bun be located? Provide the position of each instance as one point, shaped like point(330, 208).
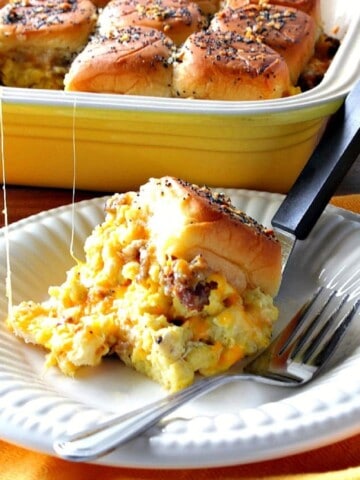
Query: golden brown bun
point(176, 18)
point(222, 66)
point(46, 25)
point(290, 32)
point(311, 7)
point(188, 220)
point(136, 62)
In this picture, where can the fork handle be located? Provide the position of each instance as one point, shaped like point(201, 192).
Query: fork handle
point(105, 436)
point(101, 439)
point(323, 173)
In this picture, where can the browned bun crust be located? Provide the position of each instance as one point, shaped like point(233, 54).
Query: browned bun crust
point(189, 220)
point(135, 62)
point(46, 24)
point(311, 7)
point(290, 32)
point(223, 66)
point(176, 18)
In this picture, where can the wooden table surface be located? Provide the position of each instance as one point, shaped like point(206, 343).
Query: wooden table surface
point(24, 201)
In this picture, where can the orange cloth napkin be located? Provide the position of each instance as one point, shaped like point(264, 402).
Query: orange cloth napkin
point(339, 461)
point(349, 202)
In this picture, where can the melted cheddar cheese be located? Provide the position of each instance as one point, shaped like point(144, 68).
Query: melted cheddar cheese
point(167, 317)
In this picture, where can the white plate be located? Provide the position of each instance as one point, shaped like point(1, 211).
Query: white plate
point(243, 422)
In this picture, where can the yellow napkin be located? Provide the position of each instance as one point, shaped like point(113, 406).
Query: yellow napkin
point(339, 461)
point(349, 202)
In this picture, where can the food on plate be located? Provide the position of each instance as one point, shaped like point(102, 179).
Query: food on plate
point(290, 32)
point(39, 38)
point(220, 65)
point(176, 281)
point(176, 18)
point(136, 61)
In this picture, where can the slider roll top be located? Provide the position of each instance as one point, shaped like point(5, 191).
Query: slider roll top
point(175, 18)
point(226, 66)
point(135, 61)
point(311, 7)
point(290, 32)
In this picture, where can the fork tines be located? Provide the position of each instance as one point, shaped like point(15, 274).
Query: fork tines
point(320, 327)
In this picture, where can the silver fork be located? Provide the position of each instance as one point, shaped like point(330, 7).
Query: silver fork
point(296, 356)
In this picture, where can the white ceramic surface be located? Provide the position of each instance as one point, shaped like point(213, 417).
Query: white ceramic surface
point(244, 422)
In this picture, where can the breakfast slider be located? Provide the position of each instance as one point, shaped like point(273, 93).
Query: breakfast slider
point(39, 38)
point(217, 65)
point(176, 18)
point(135, 61)
point(290, 32)
point(176, 281)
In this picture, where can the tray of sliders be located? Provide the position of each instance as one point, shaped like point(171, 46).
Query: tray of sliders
point(234, 93)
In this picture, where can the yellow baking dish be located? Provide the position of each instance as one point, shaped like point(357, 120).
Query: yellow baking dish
point(115, 142)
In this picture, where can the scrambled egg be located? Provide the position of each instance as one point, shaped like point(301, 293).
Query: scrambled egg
point(168, 318)
point(27, 74)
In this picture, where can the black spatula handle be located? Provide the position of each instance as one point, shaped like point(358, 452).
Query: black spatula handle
point(323, 173)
